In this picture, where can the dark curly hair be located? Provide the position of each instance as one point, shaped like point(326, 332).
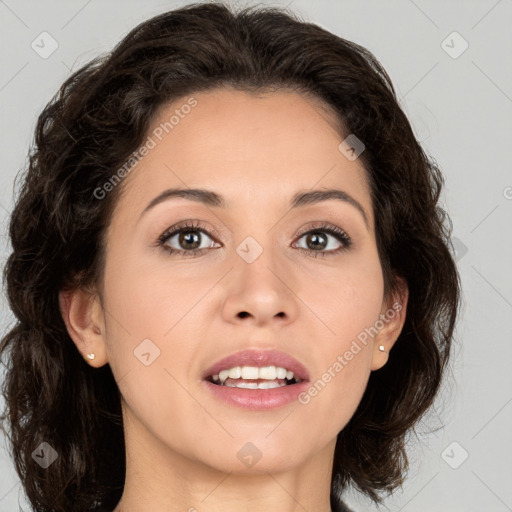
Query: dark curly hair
point(98, 118)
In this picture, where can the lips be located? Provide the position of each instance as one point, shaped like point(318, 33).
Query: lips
point(259, 358)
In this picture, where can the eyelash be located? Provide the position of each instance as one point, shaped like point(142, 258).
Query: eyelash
point(323, 227)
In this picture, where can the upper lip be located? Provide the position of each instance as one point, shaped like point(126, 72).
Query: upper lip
point(259, 358)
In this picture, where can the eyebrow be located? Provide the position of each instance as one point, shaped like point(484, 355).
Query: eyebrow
point(212, 199)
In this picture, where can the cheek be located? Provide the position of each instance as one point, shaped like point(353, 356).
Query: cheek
point(349, 306)
point(347, 298)
point(148, 299)
point(147, 315)
point(148, 350)
point(336, 390)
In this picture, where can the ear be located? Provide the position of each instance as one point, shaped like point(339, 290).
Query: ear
point(82, 313)
point(392, 316)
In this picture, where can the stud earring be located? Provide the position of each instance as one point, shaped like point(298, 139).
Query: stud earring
point(381, 348)
point(90, 356)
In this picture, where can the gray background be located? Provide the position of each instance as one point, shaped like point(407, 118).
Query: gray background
point(460, 107)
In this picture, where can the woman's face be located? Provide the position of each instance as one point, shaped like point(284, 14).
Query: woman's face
point(250, 284)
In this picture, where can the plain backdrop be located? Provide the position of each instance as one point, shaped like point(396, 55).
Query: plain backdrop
point(450, 62)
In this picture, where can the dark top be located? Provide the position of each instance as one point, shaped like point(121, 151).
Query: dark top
point(336, 506)
point(339, 506)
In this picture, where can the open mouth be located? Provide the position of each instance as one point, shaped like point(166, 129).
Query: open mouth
point(257, 369)
point(267, 380)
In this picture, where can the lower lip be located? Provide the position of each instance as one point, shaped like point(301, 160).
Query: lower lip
point(258, 399)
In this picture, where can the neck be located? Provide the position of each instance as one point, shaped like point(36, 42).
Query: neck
point(162, 479)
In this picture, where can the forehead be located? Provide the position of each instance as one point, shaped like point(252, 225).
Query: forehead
point(252, 146)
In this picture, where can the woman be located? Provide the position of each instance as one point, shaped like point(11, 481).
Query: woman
point(288, 350)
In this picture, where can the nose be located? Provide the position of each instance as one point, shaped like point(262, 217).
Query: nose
point(261, 292)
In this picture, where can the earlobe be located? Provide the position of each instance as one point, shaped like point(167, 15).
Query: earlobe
point(83, 317)
point(380, 355)
point(392, 320)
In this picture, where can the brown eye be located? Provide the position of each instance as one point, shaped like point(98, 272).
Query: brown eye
point(189, 239)
point(318, 241)
point(186, 240)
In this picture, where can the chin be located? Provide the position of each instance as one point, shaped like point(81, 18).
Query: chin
point(253, 457)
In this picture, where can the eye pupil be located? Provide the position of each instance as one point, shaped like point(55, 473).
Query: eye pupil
point(190, 237)
point(315, 245)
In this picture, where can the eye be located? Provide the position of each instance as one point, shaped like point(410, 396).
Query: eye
point(317, 239)
point(188, 237)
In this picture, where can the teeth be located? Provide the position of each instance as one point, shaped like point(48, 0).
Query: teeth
point(235, 373)
point(270, 373)
point(223, 375)
point(270, 385)
point(247, 385)
point(281, 373)
point(253, 385)
point(250, 372)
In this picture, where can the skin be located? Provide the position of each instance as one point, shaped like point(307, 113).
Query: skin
point(181, 442)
